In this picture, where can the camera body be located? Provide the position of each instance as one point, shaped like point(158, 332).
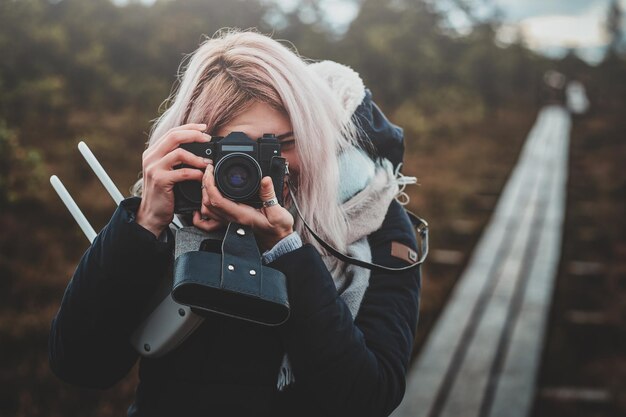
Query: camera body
point(240, 163)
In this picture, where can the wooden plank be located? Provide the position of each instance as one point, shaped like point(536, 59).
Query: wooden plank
point(449, 378)
point(430, 369)
point(427, 378)
point(470, 392)
point(470, 384)
point(429, 373)
point(515, 389)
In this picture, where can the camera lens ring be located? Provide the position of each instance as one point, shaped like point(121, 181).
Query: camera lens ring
point(238, 176)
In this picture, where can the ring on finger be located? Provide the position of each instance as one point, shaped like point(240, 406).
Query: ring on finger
point(271, 202)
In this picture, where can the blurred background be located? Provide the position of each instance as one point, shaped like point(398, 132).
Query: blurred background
point(464, 78)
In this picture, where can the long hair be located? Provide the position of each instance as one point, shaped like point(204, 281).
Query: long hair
point(235, 69)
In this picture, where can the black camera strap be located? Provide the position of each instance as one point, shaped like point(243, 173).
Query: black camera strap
point(421, 230)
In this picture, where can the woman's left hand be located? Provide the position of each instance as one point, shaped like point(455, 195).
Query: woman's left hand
point(270, 224)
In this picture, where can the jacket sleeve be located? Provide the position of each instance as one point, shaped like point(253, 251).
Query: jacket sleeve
point(348, 367)
point(89, 338)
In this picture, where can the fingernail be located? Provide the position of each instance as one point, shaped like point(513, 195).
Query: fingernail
point(202, 126)
point(206, 160)
point(207, 136)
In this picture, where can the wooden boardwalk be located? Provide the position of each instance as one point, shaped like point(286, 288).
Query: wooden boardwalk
point(482, 356)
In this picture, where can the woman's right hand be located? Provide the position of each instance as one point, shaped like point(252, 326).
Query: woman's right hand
point(156, 210)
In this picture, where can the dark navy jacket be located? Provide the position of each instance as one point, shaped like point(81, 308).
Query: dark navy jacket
point(229, 367)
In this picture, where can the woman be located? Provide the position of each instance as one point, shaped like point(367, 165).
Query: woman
point(346, 346)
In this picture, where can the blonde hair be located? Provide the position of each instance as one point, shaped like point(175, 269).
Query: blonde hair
point(235, 69)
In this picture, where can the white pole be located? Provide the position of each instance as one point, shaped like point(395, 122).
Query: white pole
point(100, 172)
point(71, 205)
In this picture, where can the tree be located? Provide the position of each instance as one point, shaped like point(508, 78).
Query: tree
point(614, 27)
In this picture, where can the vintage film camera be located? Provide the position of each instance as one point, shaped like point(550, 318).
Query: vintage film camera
point(240, 163)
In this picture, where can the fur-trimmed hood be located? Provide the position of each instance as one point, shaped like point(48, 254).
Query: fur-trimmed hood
point(378, 136)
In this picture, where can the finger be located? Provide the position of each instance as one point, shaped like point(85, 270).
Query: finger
point(212, 196)
point(178, 175)
point(189, 126)
point(179, 156)
point(172, 140)
point(218, 215)
point(208, 225)
point(209, 180)
point(276, 214)
point(206, 221)
point(202, 127)
point(267, 193)
point(206, 201)
point(207, 212)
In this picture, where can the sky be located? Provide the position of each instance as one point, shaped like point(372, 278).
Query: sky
point(551, 27)
point(548, 26)
point(554, 26)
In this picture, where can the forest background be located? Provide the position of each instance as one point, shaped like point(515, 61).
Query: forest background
point(92, 70)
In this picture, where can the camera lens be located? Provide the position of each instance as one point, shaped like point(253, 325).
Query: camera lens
point(238, 176)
